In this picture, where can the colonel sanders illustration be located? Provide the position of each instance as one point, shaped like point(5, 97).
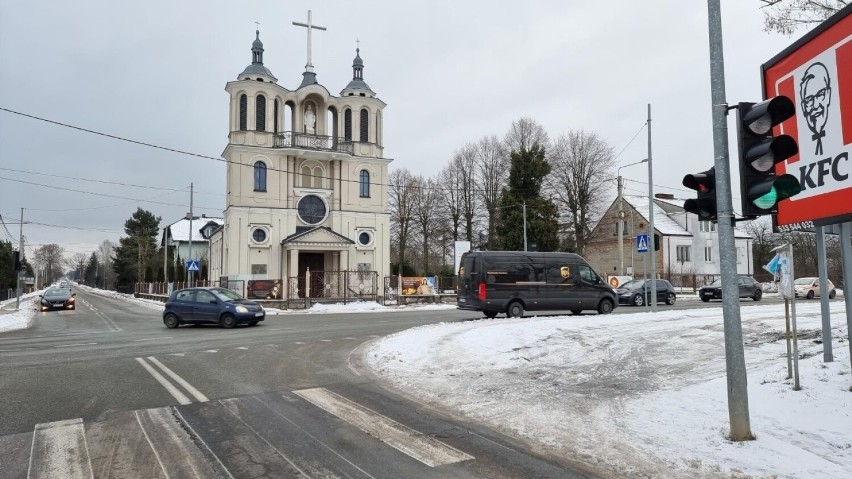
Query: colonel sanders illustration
point(815, 95)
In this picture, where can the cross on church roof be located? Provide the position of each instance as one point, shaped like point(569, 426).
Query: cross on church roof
point(309, 26)
point(258, 24)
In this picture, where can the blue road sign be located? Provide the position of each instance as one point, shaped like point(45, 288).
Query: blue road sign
point(192, 265)
point(642, 243)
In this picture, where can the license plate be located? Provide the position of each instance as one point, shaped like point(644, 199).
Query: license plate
point(708, 294)
point(462, 300)
point(257, 315)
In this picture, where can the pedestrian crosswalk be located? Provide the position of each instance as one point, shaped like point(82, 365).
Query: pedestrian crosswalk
point(313, 432)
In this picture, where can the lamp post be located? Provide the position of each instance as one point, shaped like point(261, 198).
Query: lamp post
point(621, 217)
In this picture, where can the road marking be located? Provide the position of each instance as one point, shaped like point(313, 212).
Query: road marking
point(325, 340)
point(151, 339)
point(211, 351)
point(165, 383)
point(241, 347)
point(59, 449)
point(174, 446)
point(349, 337)
point(178, 354)
point(415, 444)
point(77, 344)
point(299, 342)
point(189, 388)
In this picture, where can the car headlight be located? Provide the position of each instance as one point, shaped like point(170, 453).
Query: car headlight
point(242, 309)
point(71, 300)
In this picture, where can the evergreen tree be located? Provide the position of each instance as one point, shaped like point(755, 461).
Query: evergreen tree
point(90, 277)
point(136, 252)
point(526, 175)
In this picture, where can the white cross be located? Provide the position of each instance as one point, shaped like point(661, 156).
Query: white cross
point(309, 66)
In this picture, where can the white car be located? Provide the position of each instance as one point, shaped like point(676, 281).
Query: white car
point(809, 288)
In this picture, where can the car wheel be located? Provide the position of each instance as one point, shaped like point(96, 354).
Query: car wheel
point(228, 321)
point(832, 294)
point(671, 298)
point(490, 314)
point(757, 295)
point(810, 295)
point(605, 306)
point(638, 300)
point(576, 312)
point(171, 321)
point(515, 310)
point(705, 299)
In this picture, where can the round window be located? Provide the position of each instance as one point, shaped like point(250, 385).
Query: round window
point(259, 235)
point(311, 209)
point(364, 238)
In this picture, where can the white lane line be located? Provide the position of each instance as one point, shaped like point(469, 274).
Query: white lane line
point(415, 444)
point(151, 339)
point(325, 340)
point(242, 347)
point(165, 383)
point(179, 380)
point(59, 449)
point(77, 344)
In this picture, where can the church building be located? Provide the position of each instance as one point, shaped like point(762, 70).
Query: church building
point(306, 181)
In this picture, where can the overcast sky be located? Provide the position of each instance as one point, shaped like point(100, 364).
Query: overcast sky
point(450, 72)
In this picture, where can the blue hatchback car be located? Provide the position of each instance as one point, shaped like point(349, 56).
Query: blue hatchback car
point(210, 305)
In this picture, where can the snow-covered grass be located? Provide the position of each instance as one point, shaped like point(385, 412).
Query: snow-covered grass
point(22, 318)
point(639, 395)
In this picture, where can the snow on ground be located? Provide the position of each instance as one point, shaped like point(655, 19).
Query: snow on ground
point(11, 319)
point(639, 395)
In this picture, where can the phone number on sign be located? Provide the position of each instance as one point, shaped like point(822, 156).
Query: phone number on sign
point(795, 226)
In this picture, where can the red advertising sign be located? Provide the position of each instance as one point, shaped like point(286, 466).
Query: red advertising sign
point(816, 73)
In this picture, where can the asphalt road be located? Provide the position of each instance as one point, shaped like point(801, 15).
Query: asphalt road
point(108, 391)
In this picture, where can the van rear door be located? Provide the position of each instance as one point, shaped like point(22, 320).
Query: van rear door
point(469, 274)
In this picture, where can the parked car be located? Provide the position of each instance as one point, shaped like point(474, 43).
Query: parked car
point(809, 288)
point(637, 292)
point(749, 288)
point(210, 305)
point(57, 298)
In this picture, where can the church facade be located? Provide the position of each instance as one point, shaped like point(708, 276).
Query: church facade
point(306, 180)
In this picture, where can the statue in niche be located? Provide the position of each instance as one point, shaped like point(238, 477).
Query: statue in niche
point(310, 119)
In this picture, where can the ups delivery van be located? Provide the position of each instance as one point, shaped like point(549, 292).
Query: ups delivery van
point(512, 282)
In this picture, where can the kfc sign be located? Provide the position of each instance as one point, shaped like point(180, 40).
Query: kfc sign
point(816, 73)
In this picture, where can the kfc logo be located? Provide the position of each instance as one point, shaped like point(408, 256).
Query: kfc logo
point(815, 95)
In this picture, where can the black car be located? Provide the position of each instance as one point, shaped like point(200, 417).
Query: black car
point(637, 292)
point(749, 288)
point(57, 298)
point(210, 305)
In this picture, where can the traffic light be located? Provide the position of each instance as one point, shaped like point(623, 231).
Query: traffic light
point(656, 242)
point(16, 259)
point(705, 184)
point(760, 188)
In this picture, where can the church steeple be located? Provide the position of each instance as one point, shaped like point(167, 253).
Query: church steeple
point(358, 82)
point(256, 71)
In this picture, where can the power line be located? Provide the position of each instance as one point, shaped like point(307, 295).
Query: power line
point(79, 228)
point(107, 182)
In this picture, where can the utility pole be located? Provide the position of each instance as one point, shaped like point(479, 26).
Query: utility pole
point(621, 217)
point(525, 227)
point(190, 232)
point(734, 355)
point(21, 256)
point(165, 256)
point(651, 246)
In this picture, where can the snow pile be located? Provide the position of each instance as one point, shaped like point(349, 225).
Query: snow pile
point(639, 395)
point(145, 303)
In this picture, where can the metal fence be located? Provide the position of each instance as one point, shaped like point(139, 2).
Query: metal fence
point(328, 286)
point(164, 289)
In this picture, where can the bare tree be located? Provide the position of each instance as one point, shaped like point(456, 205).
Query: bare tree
point(464, 163)
point(50, 257)
point(786, 16)
point(524, 134)
point(77, 263)
point(401, 205)
point(581, 164)
point(450, 199)
point(492, 162)
point(424, 215)
point(105, 252)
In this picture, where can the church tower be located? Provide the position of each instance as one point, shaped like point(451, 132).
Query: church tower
point(306, 184)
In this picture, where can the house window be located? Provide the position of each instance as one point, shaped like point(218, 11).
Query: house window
point(259, 235)
point(260, 112)
point(243, 113)
point(365, 184)
point(259, 176)
point(624, 229)
point(683, 254)
point(708, 254)
point(347, 125)
point(365, 125)
point(707, 226)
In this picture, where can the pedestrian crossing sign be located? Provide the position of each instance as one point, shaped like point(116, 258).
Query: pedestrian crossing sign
point(192, 265)
point(642, 243)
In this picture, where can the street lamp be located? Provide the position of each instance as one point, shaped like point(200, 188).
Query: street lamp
point(621, 217)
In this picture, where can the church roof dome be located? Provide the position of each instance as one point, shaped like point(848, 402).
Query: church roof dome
point(256, 67)
point(357, 82)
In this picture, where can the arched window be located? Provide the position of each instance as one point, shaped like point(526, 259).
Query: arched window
point(275, 117)
point(260, 113)
point(259, 176)
point(306, 177)
point(347, 125)
point(365, 184)
point(365, 125)
point(243, 113)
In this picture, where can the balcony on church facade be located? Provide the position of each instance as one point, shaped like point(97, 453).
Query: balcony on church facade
point(292, 139)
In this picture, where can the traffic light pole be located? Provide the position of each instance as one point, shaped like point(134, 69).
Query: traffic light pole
point(734, 355)
point(21, 256)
